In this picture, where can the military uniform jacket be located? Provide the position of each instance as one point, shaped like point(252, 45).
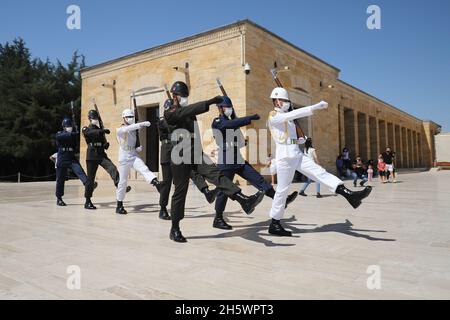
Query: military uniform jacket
point(165, 137)
point(185, 118)
point(230, 141)
point(96, 142)
point(284, 131)
point(67, 144)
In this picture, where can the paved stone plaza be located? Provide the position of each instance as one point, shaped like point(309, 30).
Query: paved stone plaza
point(403, 228)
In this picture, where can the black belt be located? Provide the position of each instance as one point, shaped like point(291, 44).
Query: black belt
point(166, 141)
point(66, 149)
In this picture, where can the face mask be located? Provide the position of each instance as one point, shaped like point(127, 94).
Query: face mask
point(69, 129)
point(95, 123)
point(228, 112)
point(183, 102)
point(285, 106)
point(130, 120)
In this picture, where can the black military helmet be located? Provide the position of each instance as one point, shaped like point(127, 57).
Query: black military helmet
point(93, 115)
point(180, 89)
point(168, 104)
point(67, 122)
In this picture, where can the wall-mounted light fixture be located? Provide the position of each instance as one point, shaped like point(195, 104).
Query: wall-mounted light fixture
point(113, 88)
point(324, 85)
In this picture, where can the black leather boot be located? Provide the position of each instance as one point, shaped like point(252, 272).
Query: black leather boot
point(163, 214)
point(353, 197)
point(247, 203)
point(277, 229)
point(89, 205)
point(303, 194)
point(60, 203)
point(157, 184)
point(177, 236)
point(210, 195)
point(291, 198)
point(219, 223)
point(270, 193)
point(120, 209)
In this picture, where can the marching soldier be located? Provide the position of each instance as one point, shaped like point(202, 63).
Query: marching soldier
point(289, 159)
point(230, 140)
point(166, 150)
point(96, 156)
point(128, 156)
point(66, 141)
point(191, 157)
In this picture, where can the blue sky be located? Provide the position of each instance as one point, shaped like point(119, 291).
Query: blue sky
point(406, 63)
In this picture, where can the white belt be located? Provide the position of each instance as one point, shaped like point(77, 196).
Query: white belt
point(96, 144)
point(231, 144)
point(290, 142)
point(128, 148)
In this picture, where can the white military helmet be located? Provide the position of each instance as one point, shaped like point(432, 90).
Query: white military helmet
point(127, 113)
point(280, 93)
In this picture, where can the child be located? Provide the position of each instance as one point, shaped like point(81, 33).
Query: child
point(370, 172)
point(381, 168)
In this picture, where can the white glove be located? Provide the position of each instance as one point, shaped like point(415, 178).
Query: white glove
point(302, 140)
point(139, 149)
point(321, 105)
point(145, 124)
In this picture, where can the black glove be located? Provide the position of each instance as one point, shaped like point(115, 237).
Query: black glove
point(107, 146)
point(106, 131)
point(216, 100)
point(255, 117)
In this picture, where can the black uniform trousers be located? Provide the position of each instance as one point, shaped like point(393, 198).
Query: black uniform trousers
point(197, 178)
point(92, 166)
point(61, 175)
point(247, 172)
point(181, 174)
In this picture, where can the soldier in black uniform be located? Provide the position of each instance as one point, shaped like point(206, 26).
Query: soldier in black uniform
point(96, 156)
point(166, 149)
point(67, 144)
point(191, 157)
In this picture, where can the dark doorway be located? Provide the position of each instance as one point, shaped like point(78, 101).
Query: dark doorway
point(152, 147)
point(349, 132)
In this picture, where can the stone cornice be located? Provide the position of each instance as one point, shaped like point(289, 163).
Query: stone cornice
point(373, 98)
point(178, 46)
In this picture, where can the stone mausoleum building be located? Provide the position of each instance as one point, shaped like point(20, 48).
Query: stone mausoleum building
point(354, 119)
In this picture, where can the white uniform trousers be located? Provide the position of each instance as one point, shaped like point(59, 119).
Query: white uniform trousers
point(286, 168)
point(124, 170)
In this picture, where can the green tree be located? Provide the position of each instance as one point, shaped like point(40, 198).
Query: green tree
point(34, 97)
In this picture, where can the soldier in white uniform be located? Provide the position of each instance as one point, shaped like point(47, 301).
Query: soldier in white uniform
point(128, 157)
point(289, 158)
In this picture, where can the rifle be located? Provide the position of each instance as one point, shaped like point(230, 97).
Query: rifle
point(224, 93)
point(100, 121)
point(169, 96)
point(274, 73)
point(73, 116)
point(136, 118)
point(221, 87)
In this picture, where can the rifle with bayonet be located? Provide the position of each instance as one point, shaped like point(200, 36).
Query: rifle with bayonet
point(100, 122)
point(222, 89)
point(136, 118)
point(72, 109)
